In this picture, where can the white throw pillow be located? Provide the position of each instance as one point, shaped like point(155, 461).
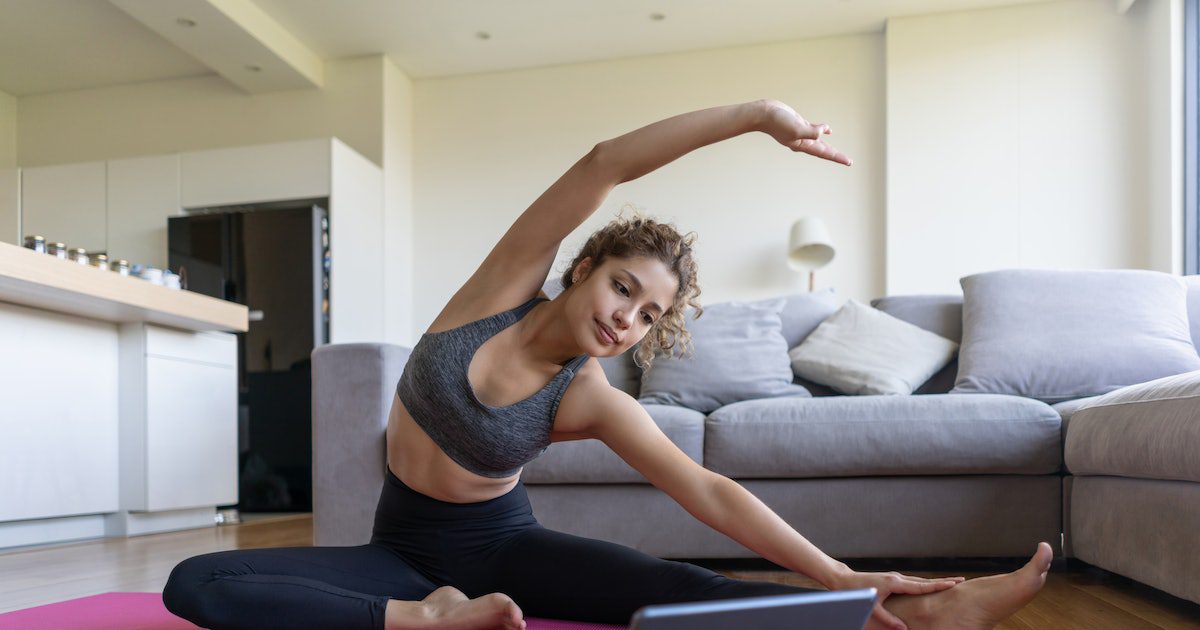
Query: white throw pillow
point(862, 350)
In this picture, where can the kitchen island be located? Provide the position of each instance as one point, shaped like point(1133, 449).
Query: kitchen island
point(118, 402)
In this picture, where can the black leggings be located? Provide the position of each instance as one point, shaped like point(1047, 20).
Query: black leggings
point(419, 544)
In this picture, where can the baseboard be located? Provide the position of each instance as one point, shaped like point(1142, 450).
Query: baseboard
point(42, 531)
point(127, 523)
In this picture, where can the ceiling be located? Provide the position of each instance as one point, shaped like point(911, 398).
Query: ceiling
point(56, 45)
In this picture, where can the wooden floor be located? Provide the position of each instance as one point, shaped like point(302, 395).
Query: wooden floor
point(1077, 596)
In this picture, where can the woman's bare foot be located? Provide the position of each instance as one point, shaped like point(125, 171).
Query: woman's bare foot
point(447, 608)
point(978, 603)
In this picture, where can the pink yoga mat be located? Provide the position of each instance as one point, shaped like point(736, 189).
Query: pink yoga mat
point(145, 611)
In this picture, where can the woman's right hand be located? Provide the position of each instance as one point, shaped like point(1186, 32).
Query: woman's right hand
point(891, 583)
point(790, 129)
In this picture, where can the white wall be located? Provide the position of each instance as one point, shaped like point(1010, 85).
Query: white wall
point(1162, 21)
point(398, 205)
point(201, 113)
point(8, 131)
point(1035, 135)
point(487, 145)
point(357, 294)
point(1018, 137)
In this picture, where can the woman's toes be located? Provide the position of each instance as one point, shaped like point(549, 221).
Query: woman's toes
point(1043, 557)
point(509, 613)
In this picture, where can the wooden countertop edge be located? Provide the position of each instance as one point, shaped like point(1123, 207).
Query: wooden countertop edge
point(29, 278)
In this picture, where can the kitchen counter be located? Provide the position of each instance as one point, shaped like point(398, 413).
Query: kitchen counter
point(29, 278)
point(118, 402)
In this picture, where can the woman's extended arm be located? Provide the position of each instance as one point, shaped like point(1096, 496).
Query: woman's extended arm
point(721, 503)
point(643, 150)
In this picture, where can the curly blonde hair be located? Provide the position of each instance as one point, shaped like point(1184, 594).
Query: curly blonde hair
point(639, 236)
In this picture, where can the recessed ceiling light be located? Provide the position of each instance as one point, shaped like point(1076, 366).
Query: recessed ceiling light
point(657, 17)
point(483, 35)
point(253, 68)
point(188, 22)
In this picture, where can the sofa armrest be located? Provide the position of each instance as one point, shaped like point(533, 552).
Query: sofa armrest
point(352, 389)
point(1149, 430)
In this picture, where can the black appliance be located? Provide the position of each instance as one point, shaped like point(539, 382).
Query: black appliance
point(273, 258)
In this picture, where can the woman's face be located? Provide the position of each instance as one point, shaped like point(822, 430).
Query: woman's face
point(617, 303)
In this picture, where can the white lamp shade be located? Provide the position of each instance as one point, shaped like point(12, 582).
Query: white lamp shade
point(809, 247)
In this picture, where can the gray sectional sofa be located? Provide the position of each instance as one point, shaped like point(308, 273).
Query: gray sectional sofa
point(933, 474)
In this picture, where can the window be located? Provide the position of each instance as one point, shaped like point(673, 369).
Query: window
point(1191, 131)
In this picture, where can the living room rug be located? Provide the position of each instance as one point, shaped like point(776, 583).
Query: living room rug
point(145, 611)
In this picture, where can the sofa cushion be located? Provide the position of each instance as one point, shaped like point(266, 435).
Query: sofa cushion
point(1067, 408)
point(1058, 335)
point(939, 314)
point(738, 353)
point(803, 312)
point(850, 436)
point(591, 461)
point(1149, 430)
point(862, 350)
point(1193, 305)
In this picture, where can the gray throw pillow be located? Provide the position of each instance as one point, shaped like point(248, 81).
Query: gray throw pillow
point(801, 315)
point(1056, 335)
point(803, 312)
point(1193, 300)
point(738, 353)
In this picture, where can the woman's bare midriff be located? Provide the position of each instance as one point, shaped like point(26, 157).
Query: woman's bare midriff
point(416, 459)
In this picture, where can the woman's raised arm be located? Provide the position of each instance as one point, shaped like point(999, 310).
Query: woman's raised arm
point(643, 150)
point(521, 259)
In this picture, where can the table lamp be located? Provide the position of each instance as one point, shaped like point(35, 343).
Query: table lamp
point(809, 247)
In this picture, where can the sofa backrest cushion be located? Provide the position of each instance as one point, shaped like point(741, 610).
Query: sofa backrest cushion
point(1193, 302)
point(1054, 335)
point(803, 312)
point(939, 314)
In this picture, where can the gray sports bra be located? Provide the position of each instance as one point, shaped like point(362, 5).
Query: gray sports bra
point(488, 441)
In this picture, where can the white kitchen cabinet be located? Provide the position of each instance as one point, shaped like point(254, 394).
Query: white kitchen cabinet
point(58, 428)
point(10, 206)
point(66, 203)
point(178, 418)
point(262, 172)
point(142, 193)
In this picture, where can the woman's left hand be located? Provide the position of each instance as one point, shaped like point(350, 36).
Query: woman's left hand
point(892, 583)
point(794, 132)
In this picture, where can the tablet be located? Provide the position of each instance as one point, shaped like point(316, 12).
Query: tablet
point(831, 610)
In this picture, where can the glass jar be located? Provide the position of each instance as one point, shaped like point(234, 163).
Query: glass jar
point(79, 255)
point(153, 274)
point(100, 261)
point(58, 250)
point(120, 266)
point(36, 243)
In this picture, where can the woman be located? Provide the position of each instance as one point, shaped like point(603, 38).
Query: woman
point(501, 373)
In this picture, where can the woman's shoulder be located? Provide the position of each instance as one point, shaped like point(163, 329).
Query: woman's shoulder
point(465, 309)
point(589, 390)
